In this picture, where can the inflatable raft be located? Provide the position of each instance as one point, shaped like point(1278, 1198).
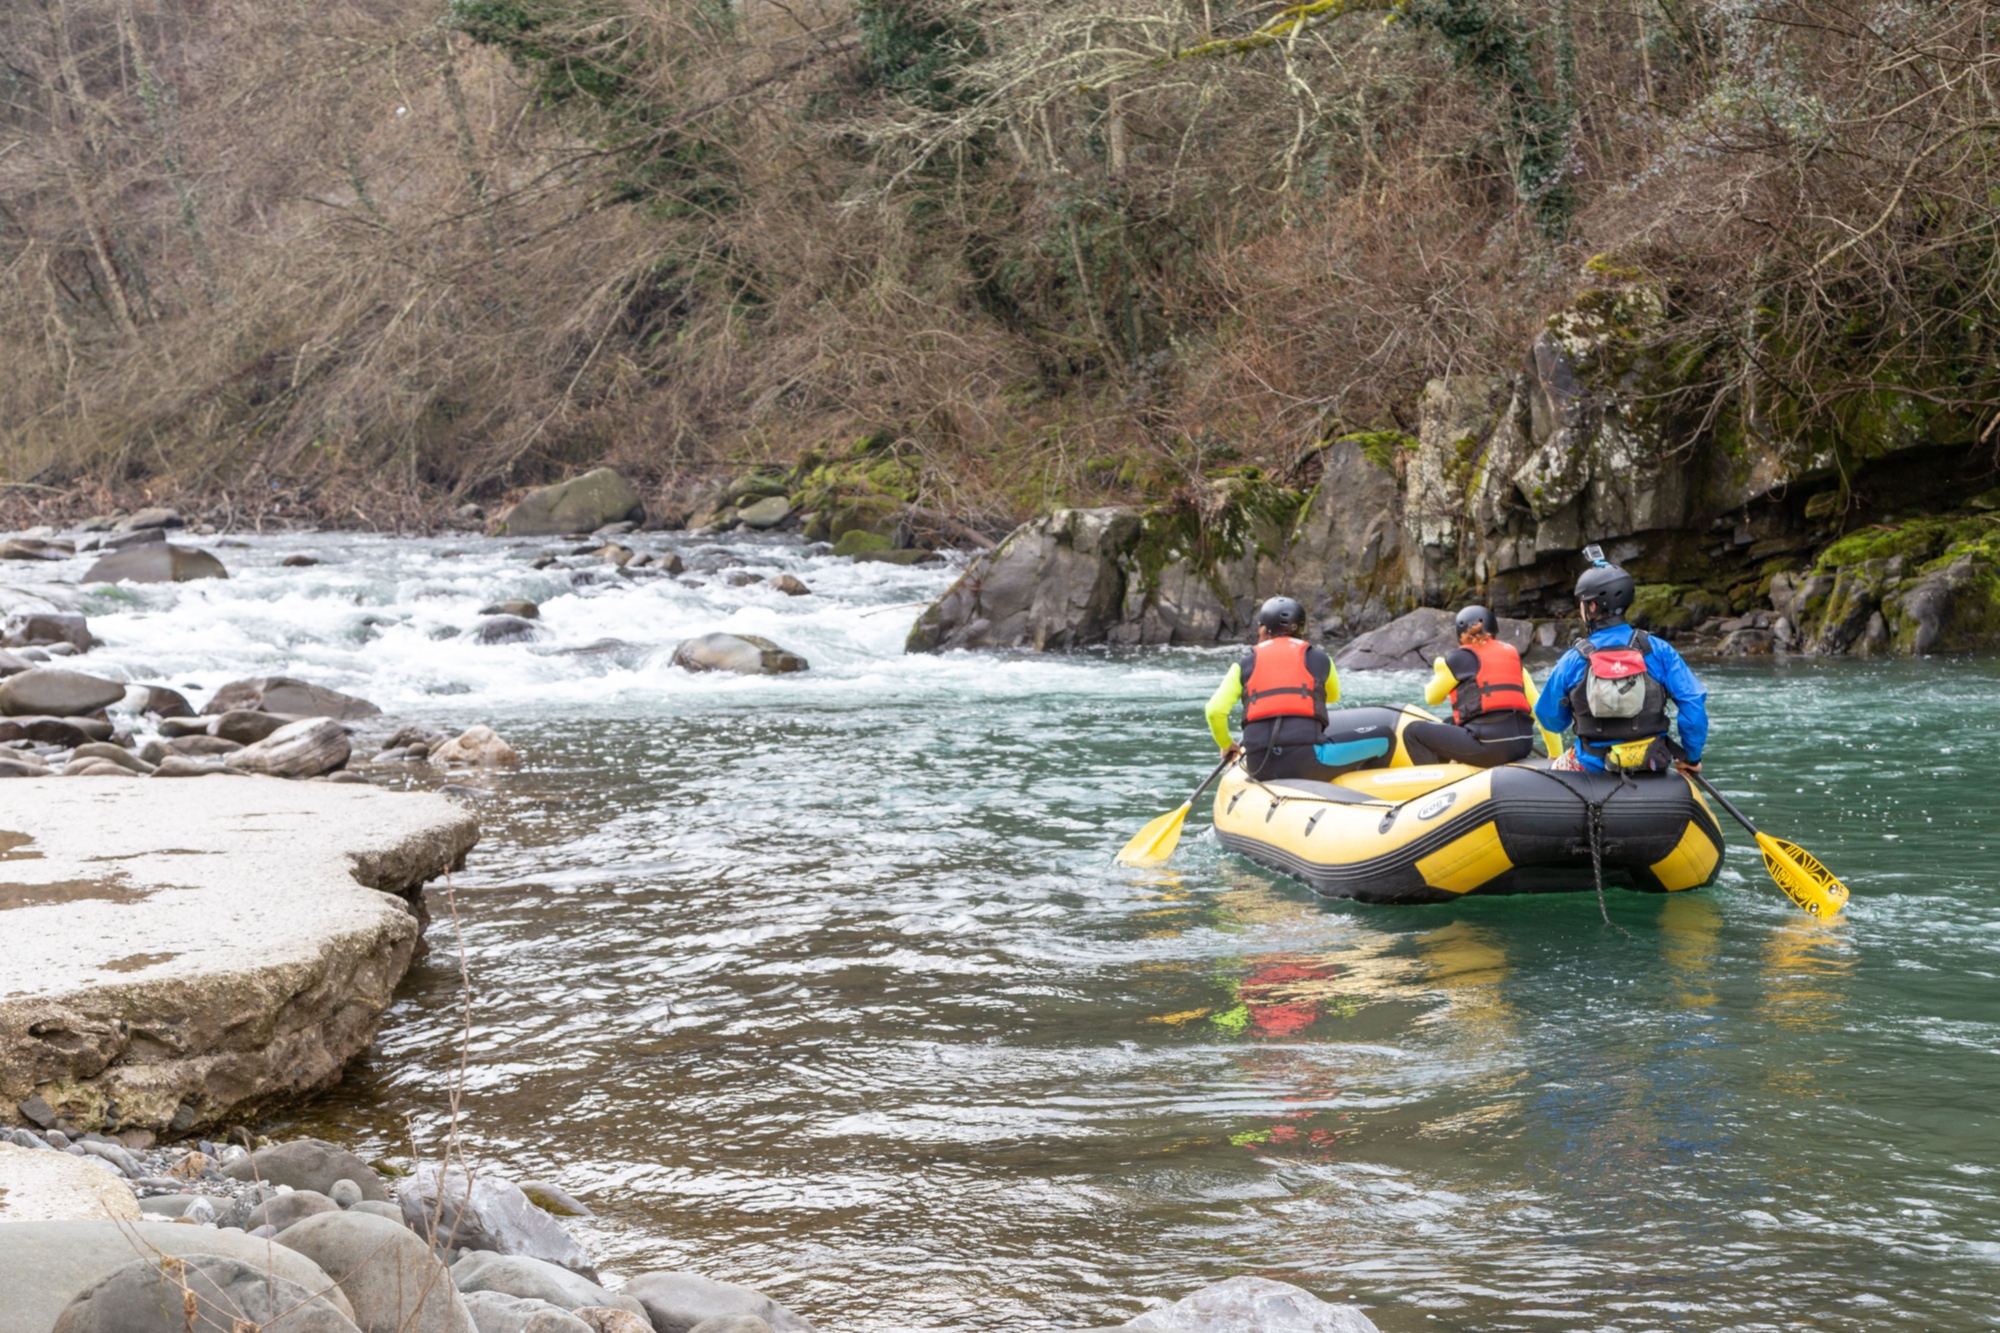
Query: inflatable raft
point(1405, 833)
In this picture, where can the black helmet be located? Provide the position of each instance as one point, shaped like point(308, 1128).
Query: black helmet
point(1480, 616)
point(1610, 587)
point(1281, 615)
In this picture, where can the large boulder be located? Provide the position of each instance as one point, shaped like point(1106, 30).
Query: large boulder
point(1254, 1305)
point(766, 513)
point(155, 518)
point(43, 1265)
point(302, 749)
point(582, 504)
point(532, 1279)
point(1056, 582)
point(481, 1211)
point(203, 1293)
point(283, 694)
point(391, 1278)
point(55, 692)
point(677, 1302)
point(33, 629)
point(43, 1185)
point(1412, 642)
point(70, 731)
point(744, 654)
point(155, 562)
point(497, 1312)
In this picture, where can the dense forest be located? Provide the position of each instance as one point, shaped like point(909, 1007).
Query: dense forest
point(367, 258)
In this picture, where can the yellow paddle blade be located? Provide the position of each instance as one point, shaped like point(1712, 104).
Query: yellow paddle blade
point(1153, 844)
point(1804, 880)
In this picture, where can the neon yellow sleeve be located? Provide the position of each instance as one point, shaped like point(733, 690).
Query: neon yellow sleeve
point(1439, 687)
point(1225, 698)
point(1527, 685)
point(1332, 682)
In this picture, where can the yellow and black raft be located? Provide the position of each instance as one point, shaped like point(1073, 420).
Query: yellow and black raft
point(1426, 833)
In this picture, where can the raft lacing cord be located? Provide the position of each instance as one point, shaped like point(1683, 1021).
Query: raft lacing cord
point(1595, 813)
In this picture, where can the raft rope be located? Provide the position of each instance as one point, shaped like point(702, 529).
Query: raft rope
point(1594, 812)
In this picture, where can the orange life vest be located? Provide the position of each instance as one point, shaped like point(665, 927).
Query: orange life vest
point(1495, 688)
point(1278, 683)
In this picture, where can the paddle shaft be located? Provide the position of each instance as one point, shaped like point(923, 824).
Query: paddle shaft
point(1213, 774)
point(1709, 787)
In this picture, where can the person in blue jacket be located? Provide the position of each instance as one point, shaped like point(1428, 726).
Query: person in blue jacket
point(1617, 700)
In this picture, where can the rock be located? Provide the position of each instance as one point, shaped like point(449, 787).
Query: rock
point(12, 766)
point(293, 698)
point(859, 542)
point(535, 1279)
point(505, 629)
point(57, 692)
point(37, 1185)
point(11, 665)
point(39, 628)
point(155, 562)
point(744, 654)
point(553, 1199)
point(97, 768)
point(740, 578)
point(404, 737)
point(112, 754)
point(481, 1211)
point(1242, 1304)
point(766, 513)
point(1412, 642)
point(898, 557)
point(667, 562)
point(344, 1193)
point(790, 586)
point(469, 512)
point(614, 553)
point(44, 1264)
point(30, 548)
point(497, 1312)
point(162, 702)
point(283, 1210)
point(513, 606)
point(244, 726)
point(732, 1323)
point(610, 1319)
point(302, 749)
point(203, 1293)
point(374, 1208)
point(677, 1302)
point(114, 941)
point(479, 746)
point(138, 537)
point(67, 731)
point(151, 518)
point(202, 1206)
point(309, 1164)
point(1053, 583)
point(187, 766)
point(298, 562)
point(582, 504)
point(389, 1276)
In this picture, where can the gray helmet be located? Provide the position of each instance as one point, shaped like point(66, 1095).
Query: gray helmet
point(1610, 587)
point(1281, 615)
point(1477, 615)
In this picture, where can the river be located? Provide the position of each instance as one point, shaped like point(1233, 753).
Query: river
point(827, 983)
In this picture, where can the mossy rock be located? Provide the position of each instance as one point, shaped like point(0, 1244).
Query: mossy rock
point(1657, 606)
point(753, 486)
point(857, 541)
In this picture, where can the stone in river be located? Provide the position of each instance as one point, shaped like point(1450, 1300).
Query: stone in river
point(790, 586)
point(740, 578)
point(31, 629)
point(308, 1164)
point(744, 654)
point(554, 1199)
point(163, 703)
point(505, 629)
point(302, 749)
point(582, 504)
point(113, 754)
point(283, 1210)
point(283, 694)
point(532, 1279)
point(484, 1212)
point(190, 766)
point(732, 1323)
point(246, 726)
point(203, 1293)
point(298, 562)
point(497, 1312)
point(69, 731)
point(668, 562)
point(151, 518)
point(175, 727)
point(126, 540)
point(391, 1278)
point(479, 746)
point(766, 513)
point(513, 606)
point(32, 548)
point(1254, 1303)
point(156, 562)
point(11, 665)
point(56, 692)
point(900, 557)
point(678, 1302)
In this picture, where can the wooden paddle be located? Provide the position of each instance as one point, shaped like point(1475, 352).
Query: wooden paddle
point(1796, 870)
point(1155, 843)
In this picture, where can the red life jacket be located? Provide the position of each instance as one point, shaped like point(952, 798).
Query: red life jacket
point(1495, 688)
point(1277, 682)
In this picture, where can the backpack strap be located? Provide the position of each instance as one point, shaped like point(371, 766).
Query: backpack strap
point(1643, 642)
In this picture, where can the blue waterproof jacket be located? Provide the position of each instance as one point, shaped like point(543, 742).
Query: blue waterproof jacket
point(1690, 698)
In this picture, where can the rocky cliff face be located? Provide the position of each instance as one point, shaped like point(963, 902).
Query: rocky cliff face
point(1742, 542)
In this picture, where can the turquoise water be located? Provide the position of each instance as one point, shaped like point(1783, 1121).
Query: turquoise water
point(828, 985)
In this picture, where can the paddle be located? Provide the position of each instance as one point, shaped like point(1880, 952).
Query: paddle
point(1796, 870)
point(1153, 844)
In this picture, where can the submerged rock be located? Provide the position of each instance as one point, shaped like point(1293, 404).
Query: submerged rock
point(582, 504)
point(1243, 1304)
point(790, 586)
point(286, 695)
point(513, 606)
point(302, 749)
point(156, 562)
point(56, 692)
point(744, 654)
point(480, 746)
point(40, 628)
point(505, 629)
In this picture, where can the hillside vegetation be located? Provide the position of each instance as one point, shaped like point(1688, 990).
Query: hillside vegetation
point(364, 258)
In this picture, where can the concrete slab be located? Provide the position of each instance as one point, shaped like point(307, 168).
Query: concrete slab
point(48, 1186)
point(177, 949)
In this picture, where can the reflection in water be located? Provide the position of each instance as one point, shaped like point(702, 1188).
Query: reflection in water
point(1690, 928)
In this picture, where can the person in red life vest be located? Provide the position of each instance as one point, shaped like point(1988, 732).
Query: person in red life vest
point(1492, 700)
point(1285, 685)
